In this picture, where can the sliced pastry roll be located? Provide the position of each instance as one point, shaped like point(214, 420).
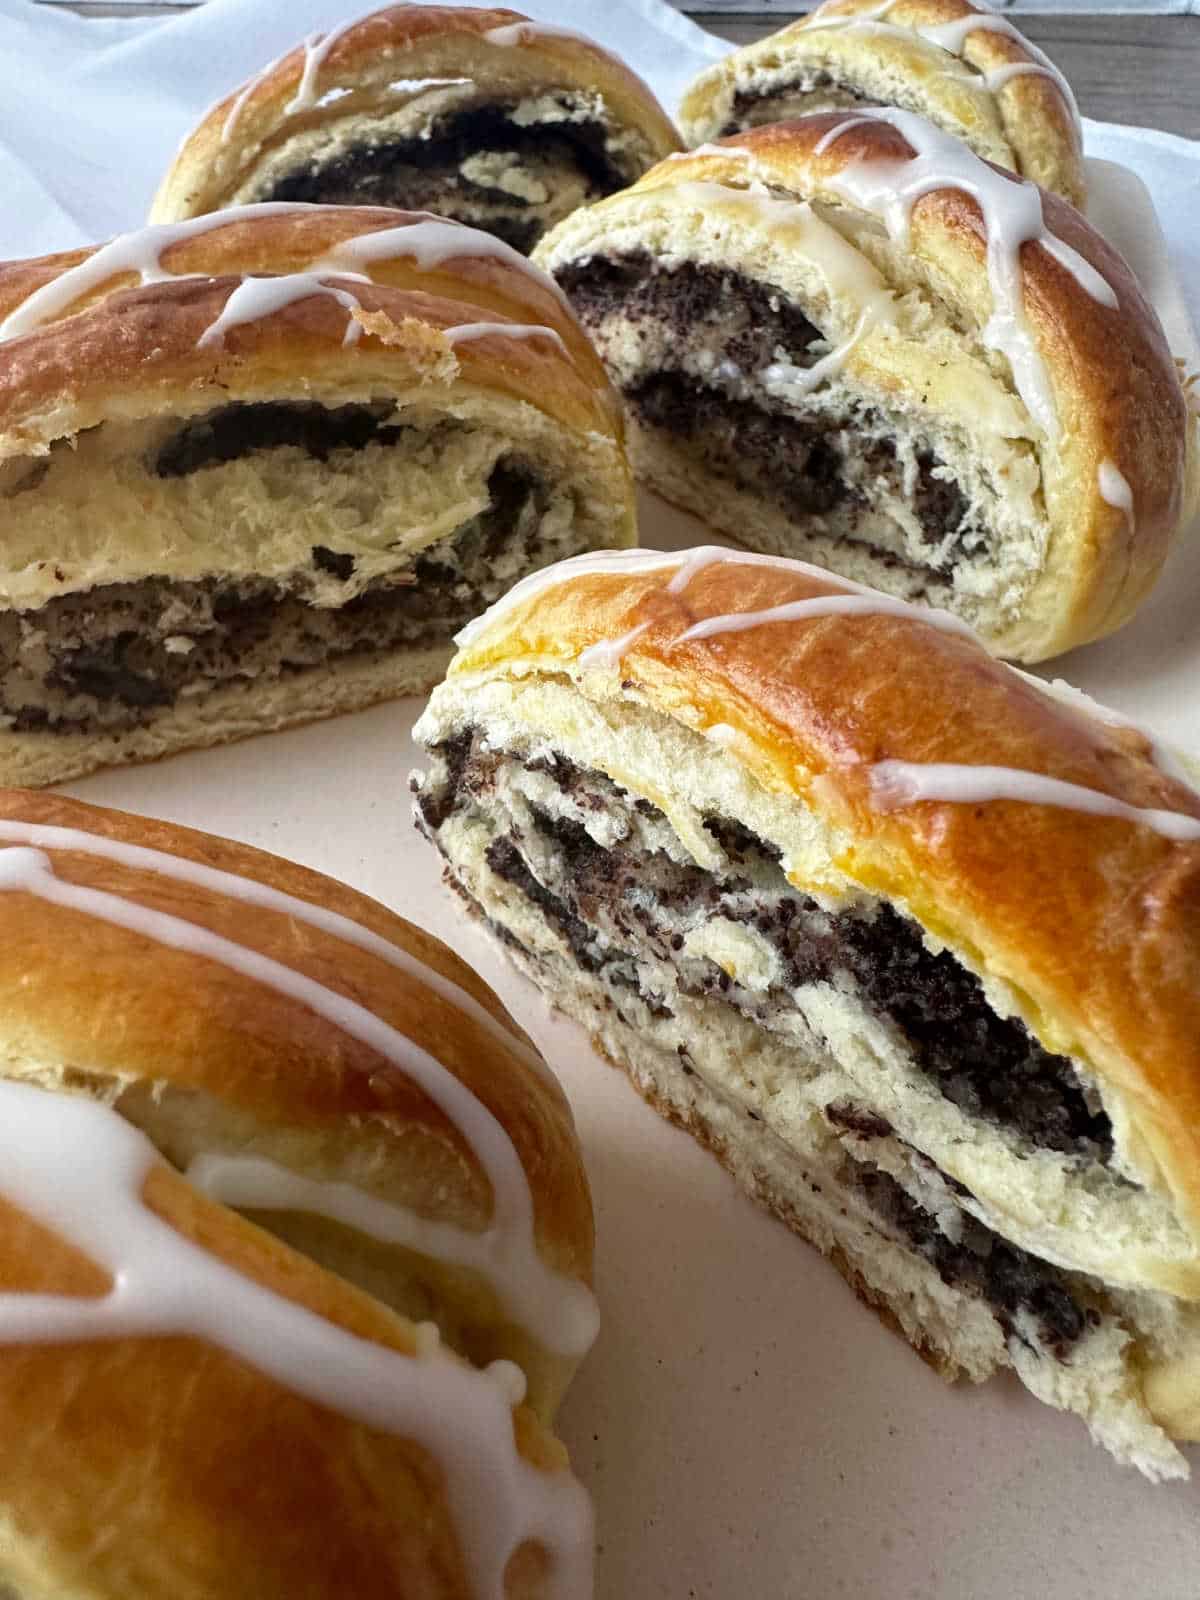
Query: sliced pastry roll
point(849, 338)
point(910, 942)
point(257, 468)
point(967, 70)
point(295, 1239)
point(476, 114)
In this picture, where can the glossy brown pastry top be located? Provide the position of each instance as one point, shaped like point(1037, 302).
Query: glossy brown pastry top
point(499, 49)
point(96, 320)
point(1031, 288)
point(209, 989)
point(986, 83)
point(1093, 921)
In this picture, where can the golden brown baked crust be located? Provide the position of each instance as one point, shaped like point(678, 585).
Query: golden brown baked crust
point(1096, 922)
point(166, 1466)
point(411, 42)
point(293, 307)
point(70, 372)
point(119, 334)
point(1024, 122)
point(1112, 375)
point(258, 1049)
point(1112, 371)
point(287, 239)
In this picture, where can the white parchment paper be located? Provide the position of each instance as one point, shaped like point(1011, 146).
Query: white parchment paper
point(747, 1429)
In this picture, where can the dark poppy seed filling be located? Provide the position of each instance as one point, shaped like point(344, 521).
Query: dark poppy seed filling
point(813, 89)
point(752, 317)
point(796, 463)
point(809, 466)
point(1013, 1282)
point(615, 905)
point(622, 911)
point(111, 657)
point(443, 172)
point(232, 432)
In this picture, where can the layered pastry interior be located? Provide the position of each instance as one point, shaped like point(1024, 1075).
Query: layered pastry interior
point(842, 1064)
point(513, 167)
point(743, 410)
point(798, 91)
point(856, 61)
point(257, 542)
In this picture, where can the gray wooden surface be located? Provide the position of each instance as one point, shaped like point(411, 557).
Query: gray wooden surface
point(1143, 69)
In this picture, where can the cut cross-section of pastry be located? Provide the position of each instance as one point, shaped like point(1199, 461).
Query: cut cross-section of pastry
point(969, 71)
point(257, 467)
point(910, 942)
point(480, 115)
point(295, 1239)
point(849, 339)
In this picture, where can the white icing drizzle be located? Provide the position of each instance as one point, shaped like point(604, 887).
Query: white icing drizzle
point(607, 653)
point(431, 242)
point(591, 561)
point(1168, 762)
point(1012, 214)
point(505, 330)
point(560, 1312)
point(239, 104)
point(510, 1380)
point(141, 858)
point(953, 36)
point(1114, 489)
point(836, 132)
point(848, 273)
point(826, 605)
point(852, 599)
point(724, 734)
point(140, 252)
point(738, 150)
point(408, 85)
point(262, 297)
point(614, 562)
point(256, 1183)
point(689, 564)
point(316, 48)
point(786, 381)
point(1092, 283)
point(898, 784)
point(79, 1169)
point(705, 555)
point(894, 783)
point(523, 33)
point(853, 20)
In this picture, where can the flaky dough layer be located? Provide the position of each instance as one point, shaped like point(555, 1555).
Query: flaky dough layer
point(1092, 923)
point(985, 85)
point(1121, 415)
point(421, 324)
point(407, 44)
